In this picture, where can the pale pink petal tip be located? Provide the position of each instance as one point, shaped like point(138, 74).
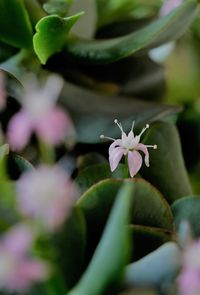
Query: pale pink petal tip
point(115, 157)
point(19, 131)
point(54, 127)
point(134, 162)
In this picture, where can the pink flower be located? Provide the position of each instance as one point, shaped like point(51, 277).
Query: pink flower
point(17, 269)
point(189, 279)
point(46, 194)
point(128, 145)
point(169, 5)
point(40, 115)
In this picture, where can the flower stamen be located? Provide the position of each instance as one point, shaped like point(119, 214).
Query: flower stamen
point(152, 146)
point(119, 125)
point(107, 137)
point(144, 129)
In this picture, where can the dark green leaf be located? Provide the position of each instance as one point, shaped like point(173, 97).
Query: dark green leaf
point(93, 113)
point(148, 209)
point(158, 32)
point(167, 169)
point(90, 159)
point(154, 237)
point(15, 26)
point(187, 208)
point(93, 174)
point(70, 244)
point(51, 34)
point(113, 251)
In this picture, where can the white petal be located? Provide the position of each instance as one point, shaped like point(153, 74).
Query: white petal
point(115, 157)
point(143, 148)
point(134, 162)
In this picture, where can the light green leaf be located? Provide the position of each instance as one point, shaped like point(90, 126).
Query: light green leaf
point(15, 26)
point(59, 7)
point(187, 208)
point(156, 268)
point(160, 31)
point(51, 34)
point(113, 251)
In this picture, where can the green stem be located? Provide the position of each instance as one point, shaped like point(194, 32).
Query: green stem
point(47, 153)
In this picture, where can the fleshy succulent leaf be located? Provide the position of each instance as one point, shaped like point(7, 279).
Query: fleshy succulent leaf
point(51, 34)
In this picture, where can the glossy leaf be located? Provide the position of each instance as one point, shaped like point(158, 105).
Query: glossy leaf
point(165, 261)
point(96, 204)
point(154, 237)
point(93, 113)
point(148, 208)
point(15, 26)
point(167, 169)
point(158, 32)
point(93, 174)
point(51, 33)
point(108, 262)
point(90, 159)
point(187, 208)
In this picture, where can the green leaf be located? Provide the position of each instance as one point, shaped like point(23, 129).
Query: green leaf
point(158, 32)
point(148, 209)
point(15, 26)
point(93, 174)
point(110, 11)
point(187, 208)
point(113, 251)
point(94, 113)
point(154, 237)
point(70, 245)
point(165, 261)
point(20, 64)
point(167, 169)
point(35, 10)
point(16, 165)
point(6, 51)
point(90, 159)
point(51, 34)
point(59, 7)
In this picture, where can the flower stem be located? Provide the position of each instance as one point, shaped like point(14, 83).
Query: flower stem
point(47, 152)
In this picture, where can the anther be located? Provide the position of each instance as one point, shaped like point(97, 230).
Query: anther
point(155, 146)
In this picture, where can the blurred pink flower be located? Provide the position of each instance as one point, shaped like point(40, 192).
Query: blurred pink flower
point(169, 5)
point(128, 145)
point(2, 90)
point(189, 279)
point(17, 269)
point(40, 115)
point(46, 194)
